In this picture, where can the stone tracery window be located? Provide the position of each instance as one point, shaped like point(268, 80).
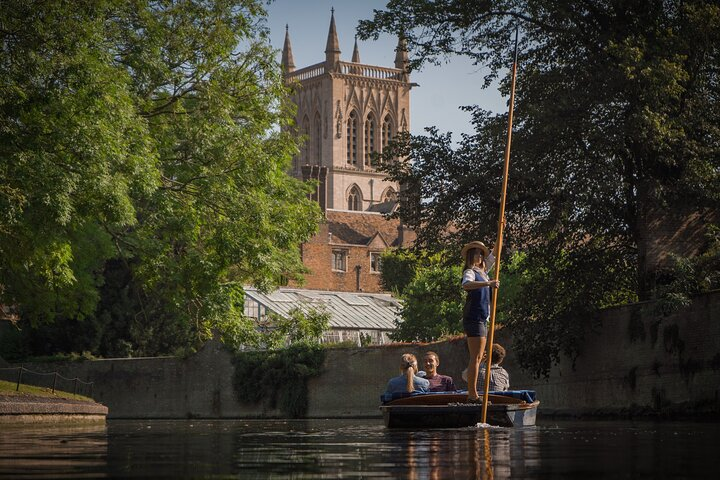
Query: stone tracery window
point(354, 199)
point(369, 139)
point(389, 195)
point(352, 138)
point(387, 131)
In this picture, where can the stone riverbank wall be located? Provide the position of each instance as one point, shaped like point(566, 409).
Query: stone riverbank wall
point(631, 362)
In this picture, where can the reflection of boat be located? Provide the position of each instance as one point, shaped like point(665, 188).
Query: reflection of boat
point(516, 408)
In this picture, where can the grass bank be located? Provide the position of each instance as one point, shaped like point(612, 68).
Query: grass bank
point(9, 388)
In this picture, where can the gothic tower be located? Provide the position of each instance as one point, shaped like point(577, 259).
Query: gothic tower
point(348, 111)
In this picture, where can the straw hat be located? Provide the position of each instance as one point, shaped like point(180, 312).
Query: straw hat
point(475, 244)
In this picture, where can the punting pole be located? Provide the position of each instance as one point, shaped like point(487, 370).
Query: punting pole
point(501, 225)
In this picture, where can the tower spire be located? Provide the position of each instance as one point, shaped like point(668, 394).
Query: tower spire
point(288, 62)
point(332, 49)
point(356, 52)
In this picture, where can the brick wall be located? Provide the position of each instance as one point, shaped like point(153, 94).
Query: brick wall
point(318, 258)
point(358, 235)
point(680, 232)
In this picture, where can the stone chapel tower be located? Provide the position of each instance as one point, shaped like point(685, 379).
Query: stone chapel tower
point(348, 111)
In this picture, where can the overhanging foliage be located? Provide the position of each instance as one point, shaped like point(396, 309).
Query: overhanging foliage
point(616, 117)
point(143, 161)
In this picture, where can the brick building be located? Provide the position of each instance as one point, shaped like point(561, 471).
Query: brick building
point(348, 112)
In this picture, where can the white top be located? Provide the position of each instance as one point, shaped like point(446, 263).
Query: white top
point(469, 274)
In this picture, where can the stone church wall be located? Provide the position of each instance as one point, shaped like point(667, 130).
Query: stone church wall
point(632, 362)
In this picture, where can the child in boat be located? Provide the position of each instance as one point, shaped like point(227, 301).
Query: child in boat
point(407, 381)
point(438, 383)
point(499, 377)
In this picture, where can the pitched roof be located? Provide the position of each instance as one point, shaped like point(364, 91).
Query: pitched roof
point(368, 311)
point(359, 228)
point(384, 207)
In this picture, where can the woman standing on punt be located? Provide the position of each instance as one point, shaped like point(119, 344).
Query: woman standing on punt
point(477, 284)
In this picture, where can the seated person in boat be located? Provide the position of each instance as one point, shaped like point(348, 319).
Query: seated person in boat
point(408, 381)
point(499, 377)
point(438, 383)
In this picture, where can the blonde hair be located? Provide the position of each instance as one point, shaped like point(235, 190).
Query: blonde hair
point(408, 364)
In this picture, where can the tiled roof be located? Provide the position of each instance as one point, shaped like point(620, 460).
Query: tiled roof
point(369, 311)
point(358, 228)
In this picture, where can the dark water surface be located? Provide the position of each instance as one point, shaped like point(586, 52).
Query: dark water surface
point(359, 449)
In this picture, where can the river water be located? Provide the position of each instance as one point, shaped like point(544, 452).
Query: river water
point(330, 449)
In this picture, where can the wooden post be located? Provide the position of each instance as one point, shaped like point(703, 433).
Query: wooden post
point(19, 380)
point(501, 226)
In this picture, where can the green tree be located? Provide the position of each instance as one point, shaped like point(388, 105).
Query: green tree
point(399, 267)
point(616, 119)
point(428, 286)
point(432, 305)
point(144, 146)
point(73, 152)
point(302, 325)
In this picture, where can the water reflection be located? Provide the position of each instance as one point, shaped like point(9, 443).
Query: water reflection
point(424, 459)
point(68, 451)
point(476, 453)
point(357, 449)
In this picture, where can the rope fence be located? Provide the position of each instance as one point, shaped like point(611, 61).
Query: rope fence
point(54, 381)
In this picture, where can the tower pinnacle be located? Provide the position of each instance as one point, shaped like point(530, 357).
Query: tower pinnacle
point(401, 54)
point(332, 49)
point(356, 52)
point(288, 62)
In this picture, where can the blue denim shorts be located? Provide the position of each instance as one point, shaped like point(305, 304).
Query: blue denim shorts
point(475, 328)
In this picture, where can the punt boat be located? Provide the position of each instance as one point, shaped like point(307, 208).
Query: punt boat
point(516, 408)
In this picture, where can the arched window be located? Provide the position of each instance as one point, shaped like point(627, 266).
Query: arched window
point(304, 153)
point(387, 131)
point(369, 139)
point(355, 199)
point(317, 139)
point(352, 138)
point(389, 195)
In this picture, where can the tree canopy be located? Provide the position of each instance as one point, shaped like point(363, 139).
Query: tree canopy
point(143, 169)
point(616, 118)
point(429, 292)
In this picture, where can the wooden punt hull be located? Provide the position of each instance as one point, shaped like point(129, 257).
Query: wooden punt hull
point(450, 411)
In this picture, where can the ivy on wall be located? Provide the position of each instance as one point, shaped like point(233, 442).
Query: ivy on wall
point(278, 377)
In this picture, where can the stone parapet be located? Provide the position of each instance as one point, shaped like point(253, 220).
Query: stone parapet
point(631, 362)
